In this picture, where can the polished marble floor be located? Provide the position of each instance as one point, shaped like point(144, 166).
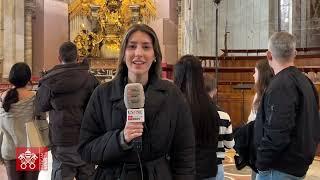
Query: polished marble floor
point(231, 173)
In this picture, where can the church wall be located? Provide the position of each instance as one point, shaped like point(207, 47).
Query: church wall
point(55, 30)
point(166, 27)
point(247, 25)
point(247, 22)
point(49, 31)
point(163, 9)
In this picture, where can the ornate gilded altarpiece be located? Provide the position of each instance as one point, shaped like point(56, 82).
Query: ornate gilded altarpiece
point(97, 28)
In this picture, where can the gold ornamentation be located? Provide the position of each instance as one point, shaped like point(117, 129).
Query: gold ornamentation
point(82, 43)
point(112, 18)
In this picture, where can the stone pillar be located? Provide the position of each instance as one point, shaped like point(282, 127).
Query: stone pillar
point(180, 11)
point(303, 24)
point(187, 26)
point(296, 21)
point(9, 30)
point(50, 30)
point(166, 27)
point(273, 16)
point(300, 22)
point(13, 34)
point(29, 10)
point(1, 36)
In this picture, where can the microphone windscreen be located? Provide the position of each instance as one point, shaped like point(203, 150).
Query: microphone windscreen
point(134, 96)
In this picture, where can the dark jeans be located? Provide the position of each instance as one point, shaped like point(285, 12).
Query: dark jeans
point(67, 164)
point(19, 175)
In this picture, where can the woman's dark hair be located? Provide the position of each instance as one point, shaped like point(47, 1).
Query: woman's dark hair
point(188, 76)
point(19, 76)
point(155, 68)
point(265, 74)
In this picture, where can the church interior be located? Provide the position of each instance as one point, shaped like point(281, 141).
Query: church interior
point(228, 36)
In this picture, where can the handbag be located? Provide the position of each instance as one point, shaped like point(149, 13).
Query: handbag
point(38, 133)
point(1, 140)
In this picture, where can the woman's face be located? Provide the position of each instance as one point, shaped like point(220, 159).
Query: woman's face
point(139, 54)
point(256, 75)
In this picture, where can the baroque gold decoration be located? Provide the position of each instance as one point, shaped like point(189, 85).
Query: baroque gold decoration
point(82, 41)
point(109, 20)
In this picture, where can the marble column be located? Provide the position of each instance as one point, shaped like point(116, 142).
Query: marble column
point(29, 10)
point(1, 35)
point(180, 30)
point(9, 38)
point(187, 26)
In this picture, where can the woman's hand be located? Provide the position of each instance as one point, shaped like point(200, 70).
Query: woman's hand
point(132, 130)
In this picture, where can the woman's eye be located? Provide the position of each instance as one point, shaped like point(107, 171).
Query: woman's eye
point(131, 46)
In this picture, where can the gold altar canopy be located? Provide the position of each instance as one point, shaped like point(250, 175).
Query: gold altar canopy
point(109, 19)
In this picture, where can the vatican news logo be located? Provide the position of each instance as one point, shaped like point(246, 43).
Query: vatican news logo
point(31, 158)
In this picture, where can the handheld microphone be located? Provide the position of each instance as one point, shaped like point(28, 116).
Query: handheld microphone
point(134, 100)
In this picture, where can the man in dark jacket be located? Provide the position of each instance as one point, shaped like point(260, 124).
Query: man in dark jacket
point(65, 91)
point(287, 124)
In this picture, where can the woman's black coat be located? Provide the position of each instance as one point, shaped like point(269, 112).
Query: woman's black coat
point(168, 138)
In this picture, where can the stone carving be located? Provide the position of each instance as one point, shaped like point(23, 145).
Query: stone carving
point(314, 23)
point(315, 9)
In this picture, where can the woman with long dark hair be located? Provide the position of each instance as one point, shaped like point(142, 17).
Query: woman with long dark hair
point(16, 108)
point(263, 74)
point(106, 137)
point(188, 76)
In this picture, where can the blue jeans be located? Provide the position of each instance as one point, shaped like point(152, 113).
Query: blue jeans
point(276, 175)
point(220, 173)
point(253, 175)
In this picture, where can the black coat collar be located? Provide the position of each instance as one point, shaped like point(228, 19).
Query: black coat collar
point(154, 95)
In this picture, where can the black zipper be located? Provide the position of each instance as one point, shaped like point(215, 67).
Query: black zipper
point(271, 114)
